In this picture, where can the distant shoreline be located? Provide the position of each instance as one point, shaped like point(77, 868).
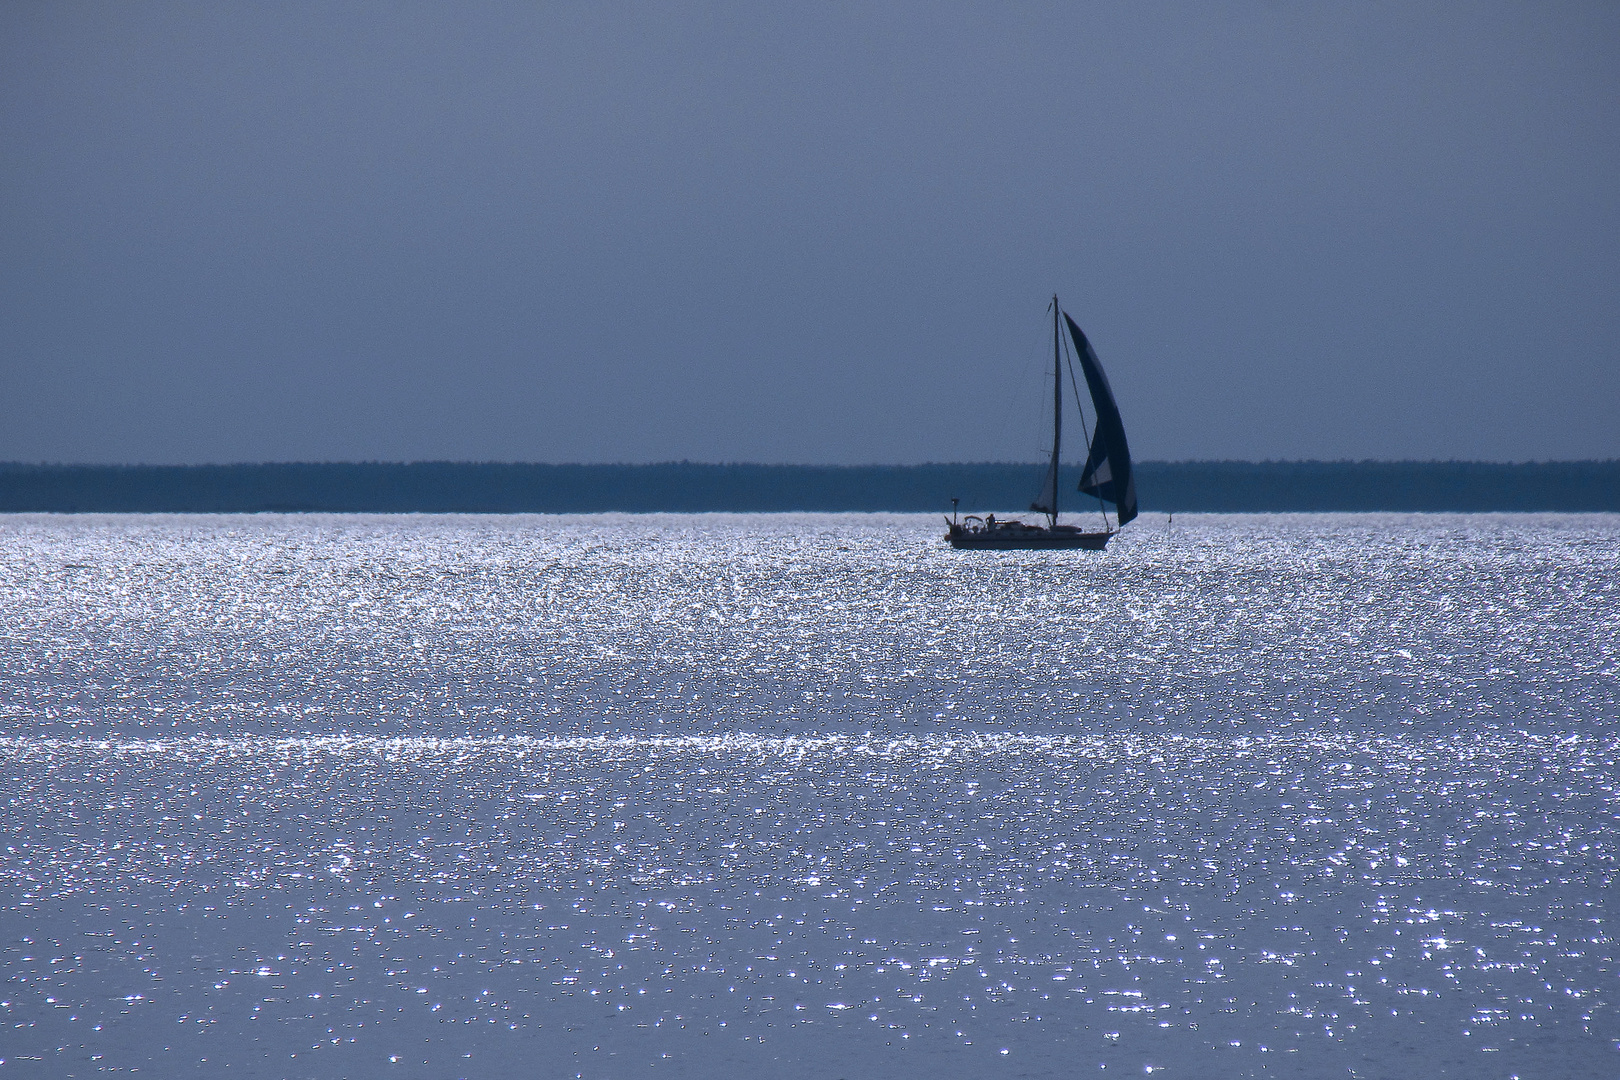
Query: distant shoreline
point(461, 487)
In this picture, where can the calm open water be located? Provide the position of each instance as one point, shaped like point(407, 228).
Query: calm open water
point(808, 796)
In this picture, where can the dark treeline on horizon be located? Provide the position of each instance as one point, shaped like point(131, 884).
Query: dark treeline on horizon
point(457, 487)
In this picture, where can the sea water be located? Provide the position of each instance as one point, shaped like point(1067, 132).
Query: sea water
point(808, 796)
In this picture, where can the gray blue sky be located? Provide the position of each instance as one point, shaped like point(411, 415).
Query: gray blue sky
point(804, 233)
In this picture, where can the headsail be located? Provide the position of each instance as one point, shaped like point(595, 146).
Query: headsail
point(1048, 496)
point(1108, 469)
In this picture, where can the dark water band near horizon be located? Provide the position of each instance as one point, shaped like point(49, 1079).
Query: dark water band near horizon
point(808, 796)
point(696, 487)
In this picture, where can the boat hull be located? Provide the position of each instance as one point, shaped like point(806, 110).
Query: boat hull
point(1028, 540)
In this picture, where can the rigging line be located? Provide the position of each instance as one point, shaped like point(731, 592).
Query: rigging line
point(1011, 412)
point(1075, 386)
point(1069, 359)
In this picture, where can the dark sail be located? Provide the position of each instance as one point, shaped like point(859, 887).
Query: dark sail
point(1108, 469)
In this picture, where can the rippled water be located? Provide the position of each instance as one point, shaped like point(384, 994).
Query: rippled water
point(808, 797)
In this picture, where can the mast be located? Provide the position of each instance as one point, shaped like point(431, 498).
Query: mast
point(1057, 410)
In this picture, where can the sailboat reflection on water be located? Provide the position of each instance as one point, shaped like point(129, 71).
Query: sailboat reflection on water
point(1107, 474)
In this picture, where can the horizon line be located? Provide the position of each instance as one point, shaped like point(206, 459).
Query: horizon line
point(689, 463)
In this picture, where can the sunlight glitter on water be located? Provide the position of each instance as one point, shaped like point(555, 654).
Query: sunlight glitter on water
point(369, 795)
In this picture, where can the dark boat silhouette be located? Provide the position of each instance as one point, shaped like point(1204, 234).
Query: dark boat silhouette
point(1107, 474)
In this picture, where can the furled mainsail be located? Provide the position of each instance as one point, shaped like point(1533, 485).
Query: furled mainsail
point(1108, 468)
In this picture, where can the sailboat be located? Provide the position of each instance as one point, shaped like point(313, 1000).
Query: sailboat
point(1107, 474)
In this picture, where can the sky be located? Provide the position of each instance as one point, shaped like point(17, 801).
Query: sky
point(813, 233)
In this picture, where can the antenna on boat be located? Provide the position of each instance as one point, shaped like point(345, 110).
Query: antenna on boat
point(954, 501)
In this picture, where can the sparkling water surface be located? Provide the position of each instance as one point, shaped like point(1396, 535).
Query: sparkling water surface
point(808, 796)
